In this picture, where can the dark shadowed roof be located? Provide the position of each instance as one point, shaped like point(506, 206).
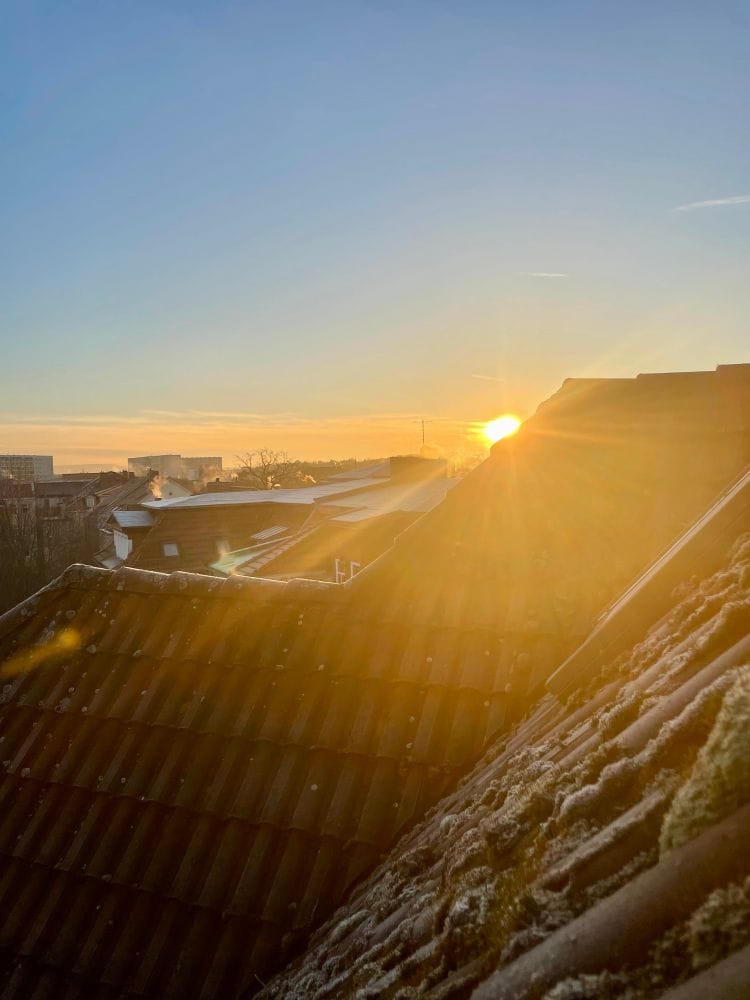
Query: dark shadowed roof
point(134, 490)
point(206, 526)
point(203, 535)
point(600, 851)
point(198, 771)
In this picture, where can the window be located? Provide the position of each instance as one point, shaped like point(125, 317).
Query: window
point(170, 549)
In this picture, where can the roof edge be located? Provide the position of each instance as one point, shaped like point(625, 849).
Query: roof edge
point(134, 580)
point(649, 594)
point(128, 579)
point(19, 613)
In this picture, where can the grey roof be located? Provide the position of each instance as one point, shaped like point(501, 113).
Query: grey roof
point(415, 497)
point(305, 496)
point(380, 470)
point(132, 491)
point(133, 518)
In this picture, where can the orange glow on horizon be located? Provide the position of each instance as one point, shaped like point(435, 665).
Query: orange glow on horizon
point(501, 427)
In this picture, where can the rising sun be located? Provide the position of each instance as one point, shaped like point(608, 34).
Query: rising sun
point(501, 427)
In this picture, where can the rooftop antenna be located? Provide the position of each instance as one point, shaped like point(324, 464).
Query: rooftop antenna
point(422, 421)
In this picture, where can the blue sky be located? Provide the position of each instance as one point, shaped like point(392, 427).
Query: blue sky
point(299, 223)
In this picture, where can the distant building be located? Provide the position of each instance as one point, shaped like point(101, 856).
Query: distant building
point(201, 467)
point(26, 468)
point(165, 465)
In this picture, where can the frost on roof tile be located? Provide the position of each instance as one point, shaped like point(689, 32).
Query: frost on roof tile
point(218, 764)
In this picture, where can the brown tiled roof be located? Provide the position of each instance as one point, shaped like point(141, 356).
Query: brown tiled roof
point(198, 771)
point(134, 490)
point(199, 532)
point(600, 851)
point(312, 551)
point(200, 524)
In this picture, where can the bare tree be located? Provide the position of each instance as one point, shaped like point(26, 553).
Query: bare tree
point(34, 546)
point(266, 469)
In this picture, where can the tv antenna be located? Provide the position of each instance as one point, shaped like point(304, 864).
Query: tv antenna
point(422, 421)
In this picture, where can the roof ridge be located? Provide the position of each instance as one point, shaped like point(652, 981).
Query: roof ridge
point(575, 393)
point(19, 613)
point(131, 579)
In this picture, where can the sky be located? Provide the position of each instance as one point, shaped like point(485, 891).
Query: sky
point(308, 225)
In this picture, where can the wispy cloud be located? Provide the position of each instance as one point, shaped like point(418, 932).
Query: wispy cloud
point(147, 418)
point(111, 438)
point(736, 199)
point(488, 378)
point(209, 415)
point(544, 274)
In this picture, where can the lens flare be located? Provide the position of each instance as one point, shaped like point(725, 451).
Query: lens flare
point(501, 427)
point(64, 643)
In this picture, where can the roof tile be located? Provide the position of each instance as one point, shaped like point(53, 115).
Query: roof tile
point(219, 761)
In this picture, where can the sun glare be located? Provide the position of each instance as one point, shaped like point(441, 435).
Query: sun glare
point(501, 427)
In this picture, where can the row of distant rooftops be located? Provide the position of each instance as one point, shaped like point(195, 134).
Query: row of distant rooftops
point(405, 476)
point(406, 486)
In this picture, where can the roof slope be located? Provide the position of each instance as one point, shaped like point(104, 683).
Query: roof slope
point(205, 534)
point(207, 525)
point(134, 490)
point(595, 854)
point(197, 771)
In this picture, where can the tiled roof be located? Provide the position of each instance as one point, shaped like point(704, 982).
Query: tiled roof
point(205, 527)
point(600, 851)
point(251, 561)
point(65, 487)
point(362, 525)
point(134, 490)
point(198, 771)
point(273, 532)
point(204, 534)
point(311, 553)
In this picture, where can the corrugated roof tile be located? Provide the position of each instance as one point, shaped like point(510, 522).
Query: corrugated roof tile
point(170, 761)
point(555, 837)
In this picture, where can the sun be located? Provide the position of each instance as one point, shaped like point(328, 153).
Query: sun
point(501, 427)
